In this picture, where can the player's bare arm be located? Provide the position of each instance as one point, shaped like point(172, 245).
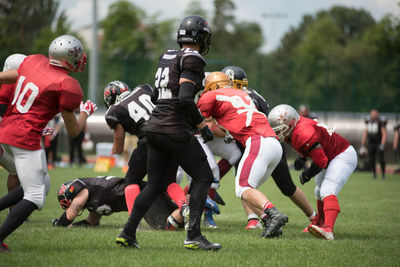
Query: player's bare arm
point(119, 137)
point(10, 76)
point(77, 204)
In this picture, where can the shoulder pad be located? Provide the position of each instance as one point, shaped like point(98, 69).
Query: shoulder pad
point(75, 187)
point(383, 119)
point(190, 52)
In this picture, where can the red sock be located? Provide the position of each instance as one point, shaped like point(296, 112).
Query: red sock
point(224, 167)
point(131, 192)
point(320, 207)
point(331, 210)
point(176, 193)
point(268, 205)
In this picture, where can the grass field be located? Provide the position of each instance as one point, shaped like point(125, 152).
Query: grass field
point(367, 232)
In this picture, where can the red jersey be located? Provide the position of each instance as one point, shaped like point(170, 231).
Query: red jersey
point(234, 110)
point(6, 93)
point(316, 140)
point(42, 91)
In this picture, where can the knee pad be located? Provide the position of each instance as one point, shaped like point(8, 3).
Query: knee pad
point(36, 195)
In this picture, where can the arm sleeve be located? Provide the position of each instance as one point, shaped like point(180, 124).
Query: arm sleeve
point(186, 93)
point(71, 94)
point(111, 117)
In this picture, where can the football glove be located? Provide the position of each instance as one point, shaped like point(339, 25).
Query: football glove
point(303, 178)
point(299, 163)
point(47, 131)
point(207, 134)
point(62, 221)
point(228, 138)
point(381, 147)
point(89, 107)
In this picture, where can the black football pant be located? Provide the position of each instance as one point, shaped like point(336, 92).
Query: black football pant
point(165, 153)
point(282, 177)
point(373, 150)
point(137, 163)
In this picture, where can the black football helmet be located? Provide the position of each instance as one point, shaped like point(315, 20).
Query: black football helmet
point(237, 76)
point(195, 30)
point(64, 195)
point(113, 90)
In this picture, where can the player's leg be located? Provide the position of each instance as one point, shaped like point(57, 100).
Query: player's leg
point(193, 160)
point(260, 158)
point(371, 156)
point(336, 175)
point(284, 181)
point(381, 159)
point(159, 164)
point(136, 172)
point(32, 171)
point(252, 216)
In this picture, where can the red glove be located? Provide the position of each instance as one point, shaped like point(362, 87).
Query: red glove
point(89, 107)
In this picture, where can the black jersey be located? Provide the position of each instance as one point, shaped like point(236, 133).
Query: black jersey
point(374, 127)
point(168, 116)
point(396, 126)
point(261, 104)
point(133, 111)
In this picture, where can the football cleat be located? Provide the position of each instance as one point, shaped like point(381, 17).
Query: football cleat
point(218, 199)
point(209, 220)
point(315, 221)
point(185, 213)
point(123, 240)
point(212, 206)
point(321, 231)
point(274, 222)
point(200, 242)
point(4, 248)
point(253, 224)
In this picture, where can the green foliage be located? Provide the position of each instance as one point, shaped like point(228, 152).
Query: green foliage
point(366, 232)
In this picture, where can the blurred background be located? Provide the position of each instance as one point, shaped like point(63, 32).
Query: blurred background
point(340, 58)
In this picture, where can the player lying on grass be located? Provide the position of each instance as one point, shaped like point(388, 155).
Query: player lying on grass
point(105, 195)
point(334, 160)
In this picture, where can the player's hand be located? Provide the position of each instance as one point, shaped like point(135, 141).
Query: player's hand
point(55, 222)
point(299, 163)
point(228, 138)
point(303, 178)
point(206, 134)
point(89, 107)
point(47, 131)
point(381, 147)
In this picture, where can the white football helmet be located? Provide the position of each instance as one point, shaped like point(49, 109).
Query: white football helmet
point(283, 118)
point(66, 51)
point(13, 62)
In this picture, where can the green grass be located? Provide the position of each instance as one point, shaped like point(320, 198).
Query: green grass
point(367, 232)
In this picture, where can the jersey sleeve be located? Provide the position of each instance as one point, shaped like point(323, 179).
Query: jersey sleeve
point(383, 121)
point(206, 104)
point(71, 94)
point(111, 117)
point(6, 92)
point(76, 186)
point(192, 66)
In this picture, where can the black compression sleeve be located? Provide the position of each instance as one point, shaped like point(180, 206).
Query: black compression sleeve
point(186, 93)
point(3, 108)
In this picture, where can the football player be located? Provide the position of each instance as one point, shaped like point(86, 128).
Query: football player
point(170, 141)
point(235, 111)
point(375, 133)
point(43, 89)
point(281, 173)
point(334, 160)
point(396, 139)
point(6, 92)
point(104, 196)
point(129, 111)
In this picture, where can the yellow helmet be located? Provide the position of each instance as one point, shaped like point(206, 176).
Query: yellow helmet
point(216, 80)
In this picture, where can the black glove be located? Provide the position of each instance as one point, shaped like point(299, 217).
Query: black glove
point(207, 134)
point(228, 138)
point(62, 221)
point(299, 163)
point(303, 178)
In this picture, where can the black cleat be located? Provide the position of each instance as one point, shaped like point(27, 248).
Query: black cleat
point(273, 224)
point(218, 199)
point(123, 240)
point(200, 243)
